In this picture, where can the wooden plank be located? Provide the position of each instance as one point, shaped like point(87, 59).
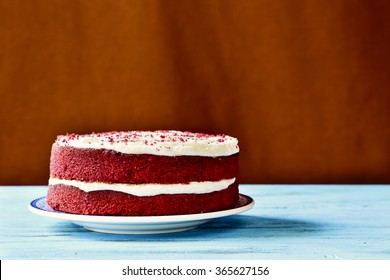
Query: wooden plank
point(287, 222)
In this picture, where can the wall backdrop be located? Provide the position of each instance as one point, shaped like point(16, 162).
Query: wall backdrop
point(304, 85)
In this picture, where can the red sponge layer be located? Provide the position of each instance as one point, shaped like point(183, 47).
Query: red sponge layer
point(101, 165)
point(73, 200)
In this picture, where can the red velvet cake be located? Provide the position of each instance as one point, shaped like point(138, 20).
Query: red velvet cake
point(143, 173)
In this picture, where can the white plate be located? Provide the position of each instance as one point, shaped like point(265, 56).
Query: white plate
point(139, 225)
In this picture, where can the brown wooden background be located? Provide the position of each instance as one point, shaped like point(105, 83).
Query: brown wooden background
point(304, 85)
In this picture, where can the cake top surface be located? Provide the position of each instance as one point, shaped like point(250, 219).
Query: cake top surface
point(160, 142)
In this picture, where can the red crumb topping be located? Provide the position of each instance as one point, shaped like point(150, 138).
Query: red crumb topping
point(154, 137)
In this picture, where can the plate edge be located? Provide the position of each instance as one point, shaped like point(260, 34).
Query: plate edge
point(140, 219)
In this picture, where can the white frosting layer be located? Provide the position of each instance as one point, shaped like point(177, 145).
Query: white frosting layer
point(148, 189)
point(165, 143)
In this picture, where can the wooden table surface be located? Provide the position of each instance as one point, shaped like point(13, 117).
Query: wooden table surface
point(287, 222)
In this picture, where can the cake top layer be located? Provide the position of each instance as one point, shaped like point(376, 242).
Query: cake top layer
point(160, 142)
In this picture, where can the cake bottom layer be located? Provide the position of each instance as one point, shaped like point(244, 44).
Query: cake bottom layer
point(111, 203)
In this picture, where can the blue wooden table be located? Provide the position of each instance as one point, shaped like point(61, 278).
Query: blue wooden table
point(287, 222)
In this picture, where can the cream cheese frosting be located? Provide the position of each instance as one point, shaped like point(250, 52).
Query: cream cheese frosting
point(148, 189)
point(161, 142)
